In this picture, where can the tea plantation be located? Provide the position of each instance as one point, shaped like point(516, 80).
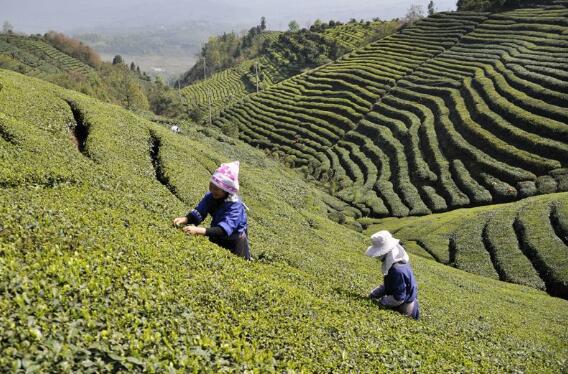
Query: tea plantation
point(35, 57)
point(524, 242)
point(94, 278)
point(461, 109)
point(354, 35)
point(229, 86)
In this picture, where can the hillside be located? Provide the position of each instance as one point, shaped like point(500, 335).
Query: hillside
point(525, 242)
point(35, 57)
point(278, 57)
point(70, 64)
point(459, 110)
point(94, 278)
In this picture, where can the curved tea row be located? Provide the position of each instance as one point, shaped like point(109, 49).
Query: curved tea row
point(525, 242)
point(460, 109)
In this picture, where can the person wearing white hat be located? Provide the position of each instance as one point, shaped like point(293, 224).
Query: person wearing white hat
point(399, 290)
point(229, 227)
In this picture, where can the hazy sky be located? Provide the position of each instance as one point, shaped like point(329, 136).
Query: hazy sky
point(38, 16)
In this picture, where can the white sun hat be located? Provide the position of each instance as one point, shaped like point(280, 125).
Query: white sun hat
point(383, 243)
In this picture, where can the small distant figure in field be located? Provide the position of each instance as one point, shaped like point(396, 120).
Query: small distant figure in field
point(175, 129)
point(229, 227)
point(399, 290)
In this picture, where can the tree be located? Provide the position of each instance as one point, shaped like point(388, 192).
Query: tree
point(318, 26)
point(73, 47)
point(293, 26)
point(7, 27)
point(262, 23)
point(498, 5)
point(134, 98)
point(117, 60)
point(431, 8)
point(413, 14)
point(163, 100)
point(132, 66)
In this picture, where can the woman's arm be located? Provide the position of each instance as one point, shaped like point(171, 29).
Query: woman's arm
point(378, 292)
point(213, 232)
point(194, 230)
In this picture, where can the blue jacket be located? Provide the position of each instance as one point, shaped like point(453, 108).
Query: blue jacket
point(400, 283)
point(230, 216)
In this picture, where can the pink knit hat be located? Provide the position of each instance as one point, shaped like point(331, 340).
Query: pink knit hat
point(226, 177)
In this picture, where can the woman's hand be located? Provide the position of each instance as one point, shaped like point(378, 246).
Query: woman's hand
point(180, 221)
point(194, 230)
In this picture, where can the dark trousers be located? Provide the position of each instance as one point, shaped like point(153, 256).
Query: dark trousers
point(242, 246)
point(238, 244)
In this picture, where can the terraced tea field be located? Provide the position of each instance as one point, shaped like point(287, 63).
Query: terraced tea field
point(40, 59)
point(231, 85)
point(524, 242)
point(94, 278)
point(459, 110)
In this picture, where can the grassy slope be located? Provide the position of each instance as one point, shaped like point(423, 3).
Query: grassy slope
point(93, 276)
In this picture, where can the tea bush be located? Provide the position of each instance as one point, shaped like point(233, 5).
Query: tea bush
point(93, 277)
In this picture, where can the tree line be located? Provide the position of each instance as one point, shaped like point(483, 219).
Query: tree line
point(498, 5)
